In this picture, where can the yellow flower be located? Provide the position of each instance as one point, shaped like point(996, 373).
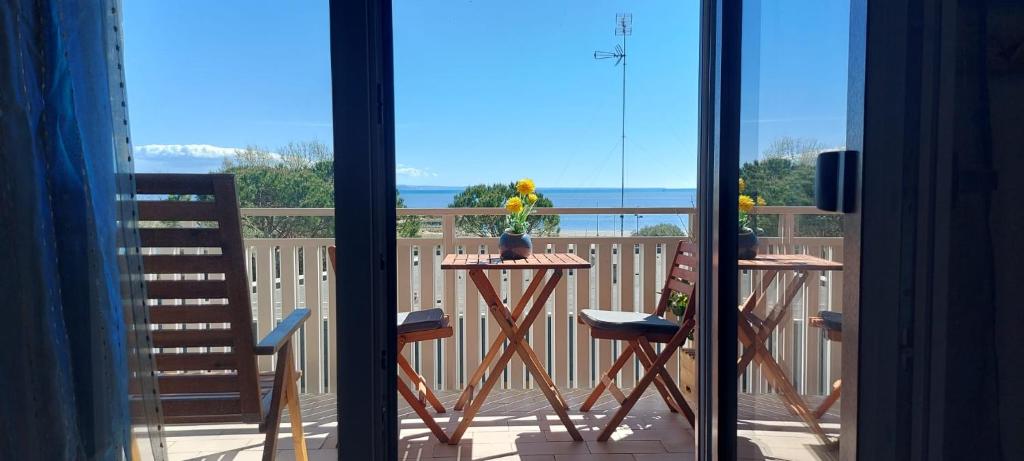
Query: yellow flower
point(514, 205)
point(746, 203)
point(743, 185)
point(532, 198)
point(760, 201)
point(525, 186)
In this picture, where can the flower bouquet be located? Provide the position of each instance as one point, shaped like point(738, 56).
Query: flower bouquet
point(748, 222)
point(514, 242)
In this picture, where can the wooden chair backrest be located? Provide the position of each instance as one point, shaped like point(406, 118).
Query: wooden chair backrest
point(194, 260)
point(332, 255)
point(681, 278)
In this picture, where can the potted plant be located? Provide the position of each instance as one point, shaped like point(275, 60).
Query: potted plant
point(678, 303)
point(748, 222)
point(514, 242)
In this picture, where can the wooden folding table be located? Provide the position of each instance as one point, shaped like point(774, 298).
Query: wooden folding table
point(514, 326)
point(754, 331)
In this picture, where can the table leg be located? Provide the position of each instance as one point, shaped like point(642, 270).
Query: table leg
point(548, 388)
point(786, 388)
point(753, 344)
point(769, 324)
point(489, 294)
point(755, 302)
point(746, 335)
point(514, 335)
point(504, 320)
point(478, 374)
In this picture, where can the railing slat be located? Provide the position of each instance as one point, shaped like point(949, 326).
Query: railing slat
point(786, 332)
point(604, 301)
point(289, 280)
point(449, 301)
point(515, 293)
point(264, 296)
point(812, 358)
point(404, 253)
point(488, 335)
point(332, 329)
point(748, 279)
point(471, 326)
point(314, 338)
point(583, 352)
point(560, 325)
point(539, 331)
point(428, 349)
point(627, 262)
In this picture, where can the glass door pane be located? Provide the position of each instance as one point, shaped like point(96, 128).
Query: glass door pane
point(595, 102)
point(793, 93)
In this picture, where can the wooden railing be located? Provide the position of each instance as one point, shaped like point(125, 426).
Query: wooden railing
point(627, 273)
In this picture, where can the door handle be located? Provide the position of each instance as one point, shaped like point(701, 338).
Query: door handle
point(835, 181)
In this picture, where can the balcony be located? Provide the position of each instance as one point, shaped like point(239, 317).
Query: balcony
point(627, 273)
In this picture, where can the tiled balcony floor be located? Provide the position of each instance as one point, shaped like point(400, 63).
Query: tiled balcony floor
point(519, 425)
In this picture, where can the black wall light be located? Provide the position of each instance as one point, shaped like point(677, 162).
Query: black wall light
point(835, 181)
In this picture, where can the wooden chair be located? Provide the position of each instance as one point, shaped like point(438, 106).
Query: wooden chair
point(832, 324)
point(207, 369)
point(639, 330)
point(421, 325)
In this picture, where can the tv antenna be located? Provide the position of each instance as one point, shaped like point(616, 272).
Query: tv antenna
point(623, 28)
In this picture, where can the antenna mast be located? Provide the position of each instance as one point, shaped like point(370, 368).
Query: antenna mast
point(623, 28)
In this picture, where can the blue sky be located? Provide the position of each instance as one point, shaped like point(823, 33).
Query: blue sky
point(485, 91)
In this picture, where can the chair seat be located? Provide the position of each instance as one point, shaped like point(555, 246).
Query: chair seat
point(831, 320)
point(421, 320)
point(631, 323)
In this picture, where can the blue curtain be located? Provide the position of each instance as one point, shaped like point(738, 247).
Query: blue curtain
point(63, 365)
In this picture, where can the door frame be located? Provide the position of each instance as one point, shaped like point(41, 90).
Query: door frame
point(717, 187)
point(363, 107)
point(905, 54)
point(891, 109)
point(364, 172)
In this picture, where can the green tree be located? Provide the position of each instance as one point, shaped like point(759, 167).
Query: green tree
point(494, 195)
point(408, 226)
point(660, 230)
point(785, 177)
point(299, 175)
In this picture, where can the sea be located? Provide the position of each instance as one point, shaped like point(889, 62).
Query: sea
point(571, 197)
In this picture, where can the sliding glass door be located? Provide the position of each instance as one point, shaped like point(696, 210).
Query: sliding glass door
point(776, 179)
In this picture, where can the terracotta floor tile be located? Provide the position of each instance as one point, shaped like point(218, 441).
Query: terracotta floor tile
point(472, 450)
point(552, 448)
point(665, 457)
point(520, 425)
point(627, 446)
point(596, 457)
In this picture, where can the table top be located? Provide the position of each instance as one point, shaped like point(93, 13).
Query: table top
point(790, 262)
point(494, 261)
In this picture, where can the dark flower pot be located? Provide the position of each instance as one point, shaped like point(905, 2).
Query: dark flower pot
point(515, 246)
point(747, 244)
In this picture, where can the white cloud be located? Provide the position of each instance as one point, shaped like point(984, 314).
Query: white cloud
point(206, 157)
point(185, 150)
point(413, 172)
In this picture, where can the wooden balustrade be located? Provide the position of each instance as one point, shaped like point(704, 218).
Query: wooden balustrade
point(627, 274)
